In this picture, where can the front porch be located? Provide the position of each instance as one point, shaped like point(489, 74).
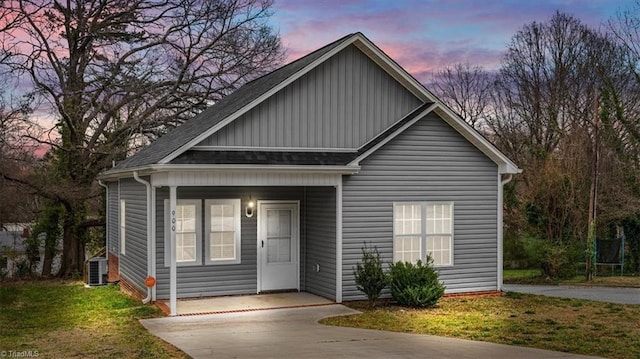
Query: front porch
point(244, 303)
point(284, 234)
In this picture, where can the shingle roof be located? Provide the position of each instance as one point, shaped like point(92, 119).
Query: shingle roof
point(224, 108)
point(265, 158)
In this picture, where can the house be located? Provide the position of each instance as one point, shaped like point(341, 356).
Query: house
point(14, 259)
point(278, 186)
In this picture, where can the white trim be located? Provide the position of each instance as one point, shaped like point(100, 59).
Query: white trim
point(198, 178)
point(451, 234)
point(118, 251)
point(167, 232)
point(339, 242)
point(273, 149)
point(151, 169)
point(421, 233)
point(500, 239)
point(356, 162)
point(424, 236)
point(237, 210)
point(153, 241)
point(173, 272)
point(259, 257)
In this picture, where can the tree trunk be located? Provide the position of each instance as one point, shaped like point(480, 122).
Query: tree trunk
point(72, 242)
point(46, 263)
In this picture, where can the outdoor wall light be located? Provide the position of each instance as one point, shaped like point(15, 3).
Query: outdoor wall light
point(248, 211)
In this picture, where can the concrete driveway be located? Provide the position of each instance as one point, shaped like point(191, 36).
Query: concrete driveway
point(601, 294)
point(295, 333)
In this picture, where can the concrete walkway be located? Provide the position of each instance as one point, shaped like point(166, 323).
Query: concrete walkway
point(601, 294)
point(295, 333)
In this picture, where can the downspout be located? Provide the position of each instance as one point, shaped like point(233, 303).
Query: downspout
point(500, 227)
point(106, 217)
point(149, 230)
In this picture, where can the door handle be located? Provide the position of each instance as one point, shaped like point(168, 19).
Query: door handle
point(262, 242)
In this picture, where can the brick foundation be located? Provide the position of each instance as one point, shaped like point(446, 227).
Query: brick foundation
point(114, 268)
point(130, 289)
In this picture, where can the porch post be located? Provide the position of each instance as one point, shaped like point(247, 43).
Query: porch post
point(172, 252)
point(153, 241)
point(339, 240)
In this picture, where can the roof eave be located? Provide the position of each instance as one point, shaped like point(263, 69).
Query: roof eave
point(159, 168)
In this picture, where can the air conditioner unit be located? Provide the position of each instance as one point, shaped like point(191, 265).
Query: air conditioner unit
point(97, 271)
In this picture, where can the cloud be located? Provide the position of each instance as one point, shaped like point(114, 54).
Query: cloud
point(425, 36)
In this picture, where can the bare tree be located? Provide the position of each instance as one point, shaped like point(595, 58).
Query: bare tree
point(564, 102)
point(466, 89)
point(113, 72)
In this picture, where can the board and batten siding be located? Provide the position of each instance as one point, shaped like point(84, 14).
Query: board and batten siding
point(342, 103)
point(212, 280)
point(113, 224)
point(429, 161)
point(320, 225)
point(133, 264)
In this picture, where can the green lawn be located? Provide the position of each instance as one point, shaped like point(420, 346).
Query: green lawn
point(568, 325)
point(62, 320)
point(534, 276)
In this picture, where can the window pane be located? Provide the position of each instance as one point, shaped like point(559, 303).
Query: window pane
point(186, 218)
point(440, 249)
point(407, 219)
point(185, 247)
point(222, 245)
point(407, 248)
point(279, 250)
point(439, 218)
point(223, 232)
point(222, 217)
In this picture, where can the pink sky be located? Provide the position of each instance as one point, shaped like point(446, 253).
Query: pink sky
point(425, 36)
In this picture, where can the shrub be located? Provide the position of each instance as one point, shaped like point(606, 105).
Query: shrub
point(370, 278)
point(415, 285)
point(561, 260)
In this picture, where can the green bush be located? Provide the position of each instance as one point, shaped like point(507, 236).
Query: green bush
point(415, 285)
point(562, 260)
point(370, 277)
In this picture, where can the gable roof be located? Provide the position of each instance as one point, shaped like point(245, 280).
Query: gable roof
point(181, 139)
point(227, 106)
point(337, 158)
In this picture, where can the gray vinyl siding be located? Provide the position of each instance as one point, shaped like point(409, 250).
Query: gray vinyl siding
point(113, 224)
point(430, 161)
point(321, 241)
point(133, 264)
point(211, 280)
point(343, 103)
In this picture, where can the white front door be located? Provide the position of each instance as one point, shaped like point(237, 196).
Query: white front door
point(278, 243)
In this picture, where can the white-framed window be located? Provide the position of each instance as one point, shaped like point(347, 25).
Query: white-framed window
point(188, 232)
point(440, 233)
point(407, 228)
point(123, 226)
point(222, 231)
point(422, 228)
